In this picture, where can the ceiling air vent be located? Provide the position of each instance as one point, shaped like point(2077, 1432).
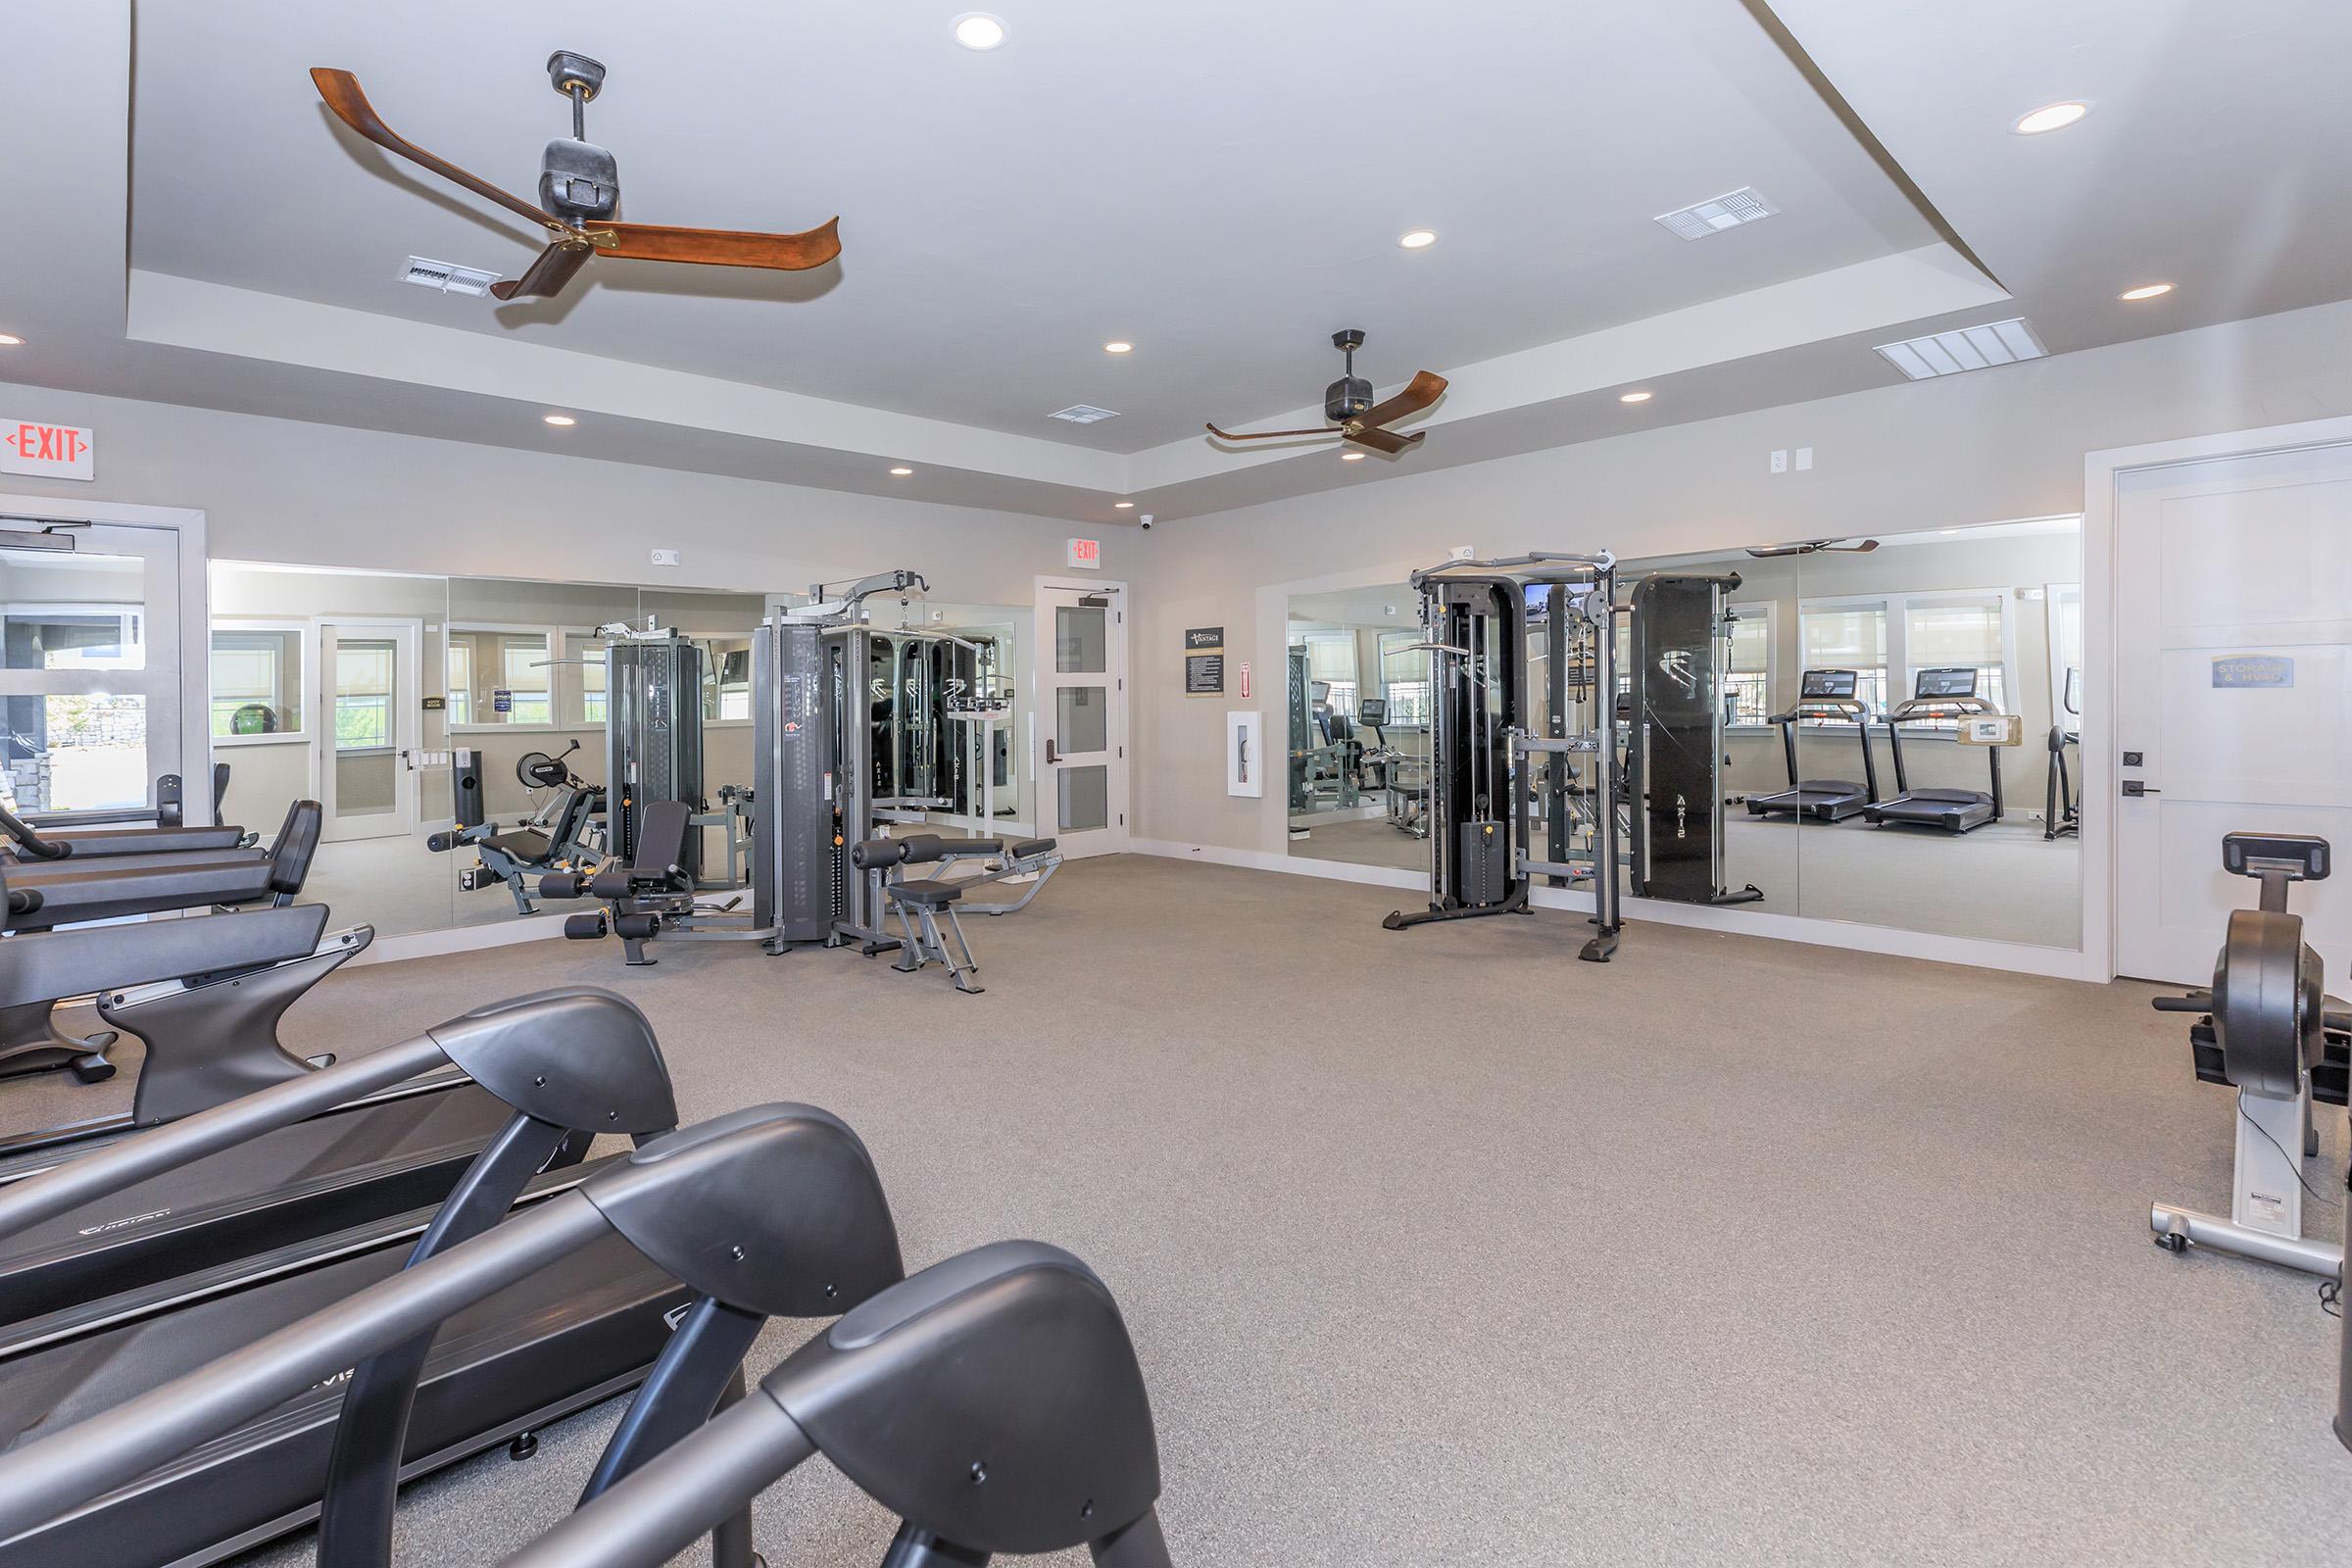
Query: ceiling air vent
point(1084, 414)
point(1742, 206)
point(1971, 348)
point(448, 278)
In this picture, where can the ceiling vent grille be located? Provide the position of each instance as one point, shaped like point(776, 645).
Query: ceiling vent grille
point(448, 278)
point(1084, 414)
point(1971, 348)
point(1742, 206)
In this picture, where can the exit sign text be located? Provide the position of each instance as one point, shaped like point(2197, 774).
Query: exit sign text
point(1086, 554)
point(48, 451)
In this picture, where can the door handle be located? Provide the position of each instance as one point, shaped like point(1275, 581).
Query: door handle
point(1051, 756)
point(2134, 788)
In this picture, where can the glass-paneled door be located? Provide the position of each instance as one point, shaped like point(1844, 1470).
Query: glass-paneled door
point(369, 727)
point(1082, 718)
point(90, 669)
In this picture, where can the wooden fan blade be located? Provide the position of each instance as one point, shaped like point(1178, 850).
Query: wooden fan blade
point(725, 246)
point(341, 90)
point(1419, 393)
point(1269, 436)
point(1388, 441)
point(547, 275)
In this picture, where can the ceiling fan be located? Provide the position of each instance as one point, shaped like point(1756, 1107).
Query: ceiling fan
point(579, 185)
point(1355, 416)
point(1809, 547)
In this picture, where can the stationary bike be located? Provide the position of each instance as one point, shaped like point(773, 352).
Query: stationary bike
point(2268, 1030)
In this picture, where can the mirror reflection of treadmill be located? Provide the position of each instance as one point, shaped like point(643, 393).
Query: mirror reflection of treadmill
point(1939, 694)
point(1827, 695)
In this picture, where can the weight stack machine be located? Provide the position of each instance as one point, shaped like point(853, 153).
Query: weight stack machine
point(652, 734)
point(1681, 645)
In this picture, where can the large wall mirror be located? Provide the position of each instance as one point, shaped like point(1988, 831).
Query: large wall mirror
point(1882, 730)
point(364, 690)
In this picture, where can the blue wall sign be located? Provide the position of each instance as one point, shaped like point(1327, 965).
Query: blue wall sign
point(501, 701)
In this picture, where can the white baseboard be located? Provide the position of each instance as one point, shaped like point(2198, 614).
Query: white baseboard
point(2015, 957)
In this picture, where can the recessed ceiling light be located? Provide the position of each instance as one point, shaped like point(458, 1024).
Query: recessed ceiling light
point(1634, 397)
point(1420, 240)
point(2147, 291)
point(2050, 117)
point(900, 473)
point(1947, 530)
point(561, 418)
point(1118, 347)
point(1352, 457)
point(977, 29)
point(1124, 506)
point(10, 340)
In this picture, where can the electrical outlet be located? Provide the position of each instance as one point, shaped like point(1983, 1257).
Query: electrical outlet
point(1779, 460)
point(1804, 458)
point(666, 557)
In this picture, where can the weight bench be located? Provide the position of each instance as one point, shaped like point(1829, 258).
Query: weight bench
point(642, 895)
point(918, 901)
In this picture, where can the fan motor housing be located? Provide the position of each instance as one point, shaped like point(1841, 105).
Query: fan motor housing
point(1345, 397)
point(579, 181)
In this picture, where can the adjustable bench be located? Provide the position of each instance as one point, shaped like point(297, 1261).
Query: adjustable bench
point(918, 901)
point(653, 888)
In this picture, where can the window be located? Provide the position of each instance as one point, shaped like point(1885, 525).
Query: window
point(363, 694)
point(587, 657)
point(726, 678)
point(1842, 634)
point(1956, 632)
point(2063, 602)
point(1405, 677)
point(460, 681)
point(1747, 677)
point(257, 682)
point(73, 637)
point(1331, 659)
point(501, 676)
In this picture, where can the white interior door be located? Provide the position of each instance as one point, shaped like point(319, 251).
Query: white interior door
point(369, 722)
point(90, 668)
point(1082, 716)
point(2233, 617)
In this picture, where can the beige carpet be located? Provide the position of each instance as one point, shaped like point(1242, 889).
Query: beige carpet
point(1442, 1248)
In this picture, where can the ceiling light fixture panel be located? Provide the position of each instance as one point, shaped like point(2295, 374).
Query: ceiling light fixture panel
point(1970, 348)
point(1747, 205)
point(1083, 414)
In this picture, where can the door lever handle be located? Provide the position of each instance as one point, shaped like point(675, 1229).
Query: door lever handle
point(2134, 789)
point(1051, 756)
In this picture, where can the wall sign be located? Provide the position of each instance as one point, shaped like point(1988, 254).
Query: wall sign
point(1085, 554)
point(1197, 637)
point(1204, 674)
point(48, 451)
point(501, 701)
point(436, 704)
point(2253, 672)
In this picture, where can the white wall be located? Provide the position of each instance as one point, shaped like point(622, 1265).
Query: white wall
point(1969, 449)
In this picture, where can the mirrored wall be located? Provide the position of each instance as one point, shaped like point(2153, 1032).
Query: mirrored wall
point(1880, 730)
point(366, 690)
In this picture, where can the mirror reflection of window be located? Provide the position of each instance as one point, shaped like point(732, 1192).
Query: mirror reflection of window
point(726, 678)
point(1405, 677)
point(1331, 660)
point(1848, 634)
point(590, 684)
point(483, 661)
point(1747, 677)
point(1958, 633)
point(460, 676)
point(363, 694)
point(257, 682)
point(2063, 604)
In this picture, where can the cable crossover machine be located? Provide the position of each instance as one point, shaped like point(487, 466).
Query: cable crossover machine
point(1514, 789)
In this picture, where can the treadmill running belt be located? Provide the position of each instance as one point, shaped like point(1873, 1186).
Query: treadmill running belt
point(317, 1176)
point(576, 1333)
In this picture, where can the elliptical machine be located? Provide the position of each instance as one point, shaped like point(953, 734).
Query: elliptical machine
point(2267, 1031)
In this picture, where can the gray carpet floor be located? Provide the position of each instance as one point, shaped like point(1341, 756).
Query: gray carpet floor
point(1442, 1248)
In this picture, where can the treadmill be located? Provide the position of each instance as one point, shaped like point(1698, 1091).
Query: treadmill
point(1824, 695)
point(1944, 694)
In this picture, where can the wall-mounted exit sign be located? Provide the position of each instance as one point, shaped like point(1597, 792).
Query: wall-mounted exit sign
point(48, 451)
point(1086, 554)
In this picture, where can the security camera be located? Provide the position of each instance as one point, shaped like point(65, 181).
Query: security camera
point(1145, 521)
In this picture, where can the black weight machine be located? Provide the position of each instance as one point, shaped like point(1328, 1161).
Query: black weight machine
point(1491, 777)
point(1680, 651)
point(564, 832)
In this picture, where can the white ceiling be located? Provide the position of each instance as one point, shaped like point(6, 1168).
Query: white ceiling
point(1185, 179)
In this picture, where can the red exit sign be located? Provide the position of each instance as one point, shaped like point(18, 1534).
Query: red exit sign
point(48, 451)
point(1086, 554)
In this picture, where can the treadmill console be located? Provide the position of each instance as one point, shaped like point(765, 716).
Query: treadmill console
point(1825, 683)
point(1934, 683)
